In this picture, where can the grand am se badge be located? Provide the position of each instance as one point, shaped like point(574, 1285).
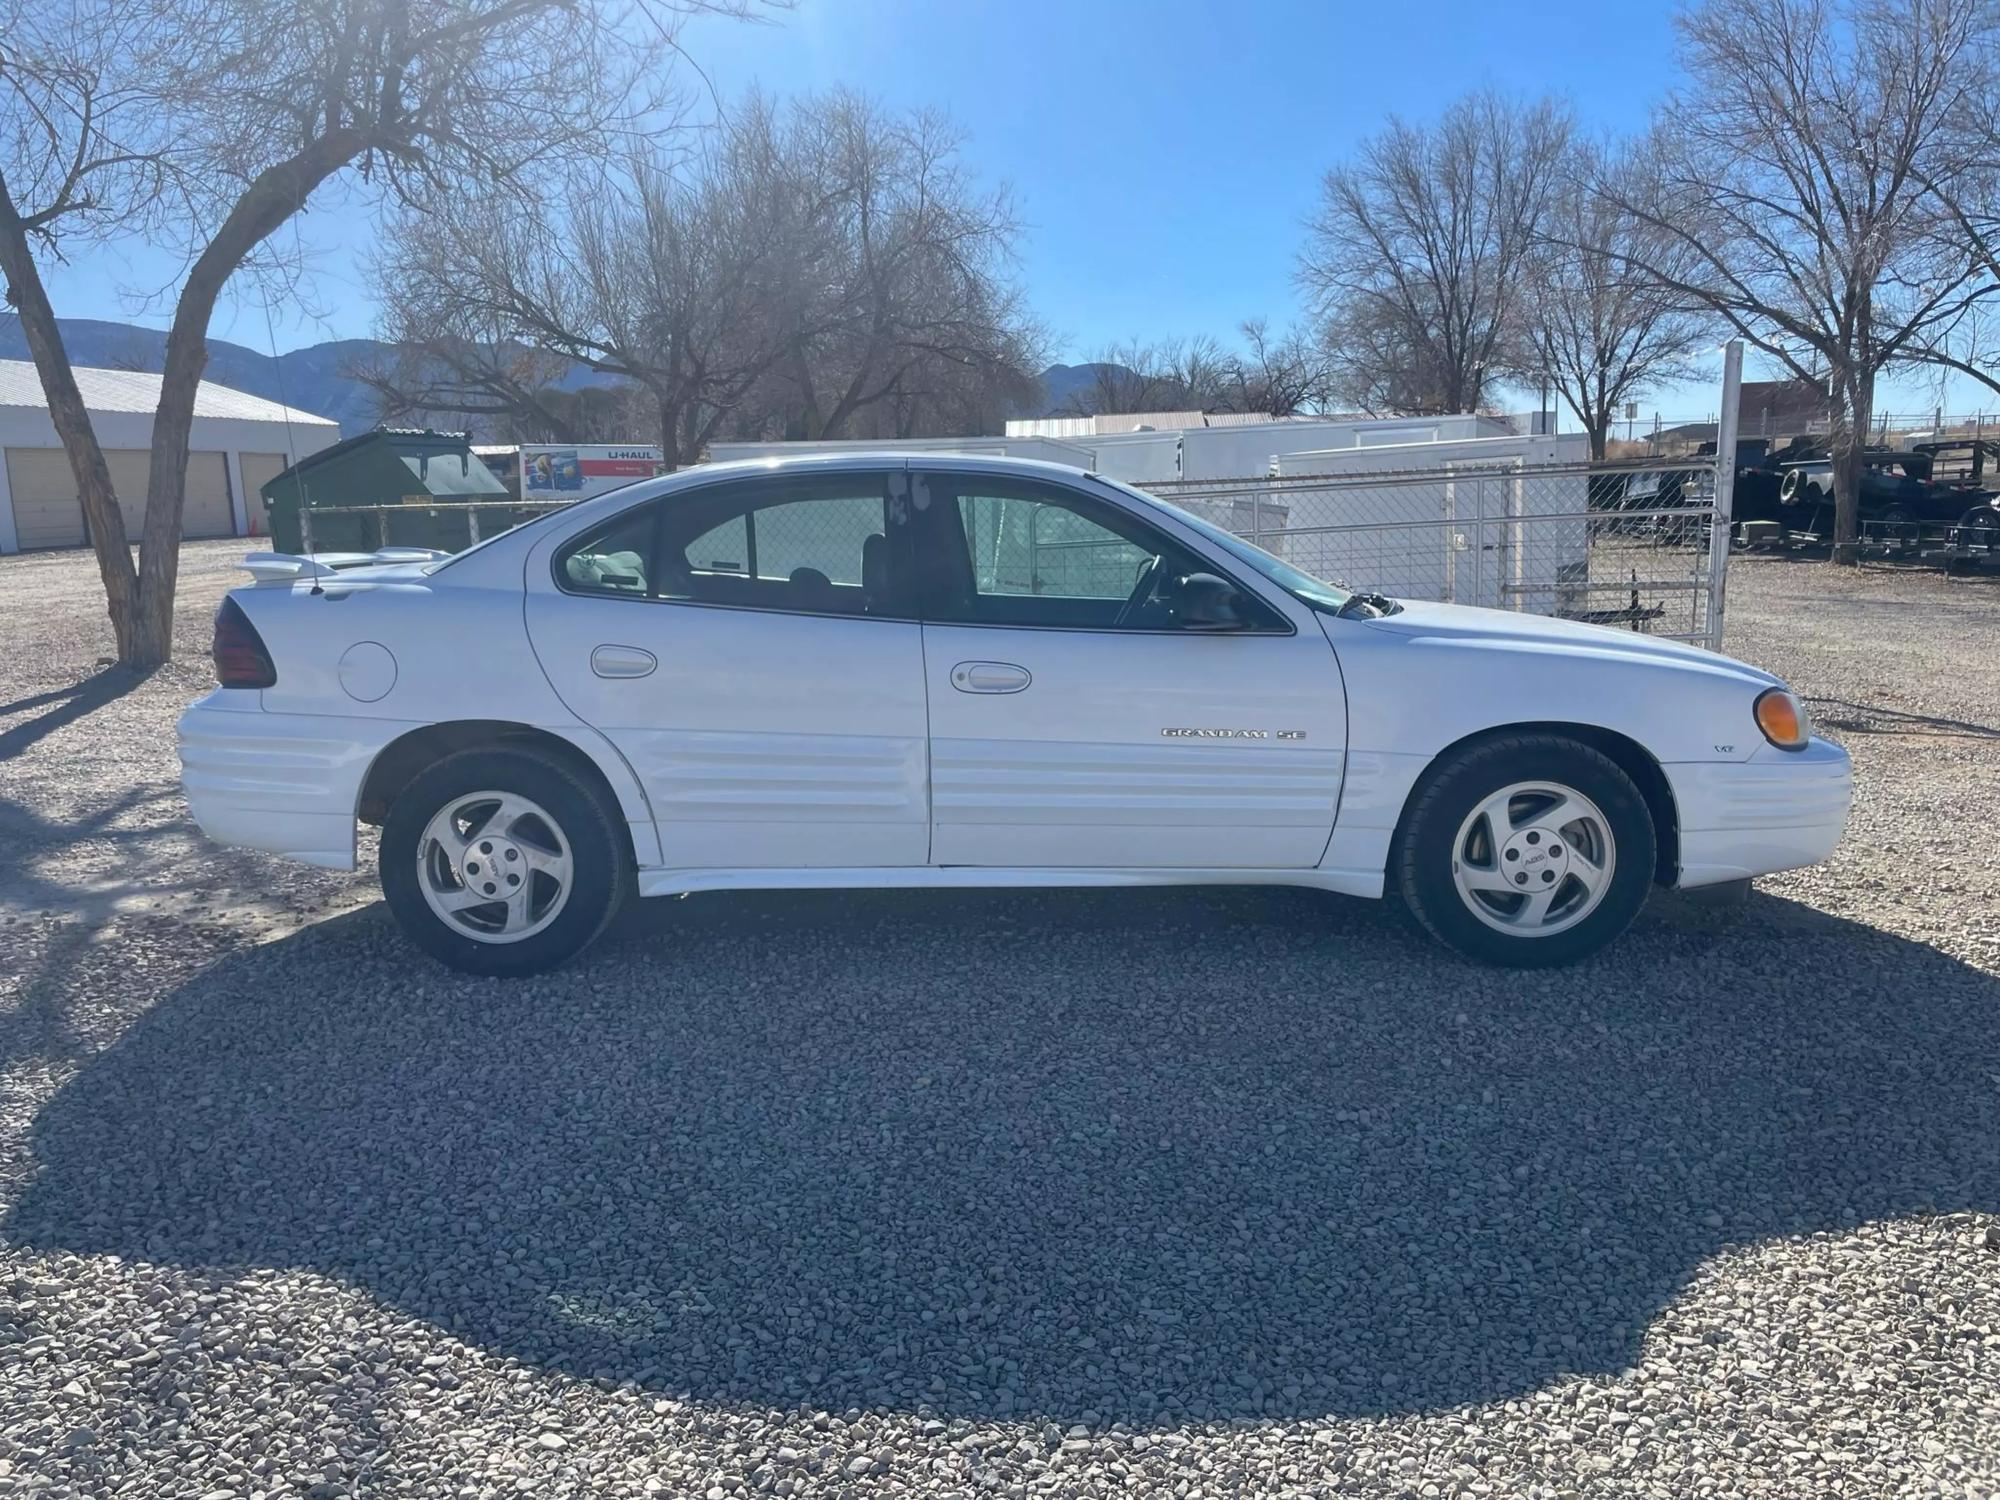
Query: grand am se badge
point(1233, 734)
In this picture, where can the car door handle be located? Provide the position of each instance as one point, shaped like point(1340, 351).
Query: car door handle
point(989, 677)
point(622, 661)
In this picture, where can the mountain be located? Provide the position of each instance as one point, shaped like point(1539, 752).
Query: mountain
point(312, 379)
point(1060, 383)
point(317, 379)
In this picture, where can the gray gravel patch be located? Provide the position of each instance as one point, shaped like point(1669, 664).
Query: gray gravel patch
point(1023, 1193)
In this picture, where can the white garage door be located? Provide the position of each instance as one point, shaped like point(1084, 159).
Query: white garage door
point(208, 512)
point(47, 512)
point(258, 470)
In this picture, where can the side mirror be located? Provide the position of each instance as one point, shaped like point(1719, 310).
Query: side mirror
point(1203, 601)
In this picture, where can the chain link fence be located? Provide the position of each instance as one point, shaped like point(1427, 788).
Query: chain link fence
point(1624, 544)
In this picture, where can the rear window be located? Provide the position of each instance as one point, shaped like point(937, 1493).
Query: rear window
point(819, 546)
point(616, 560)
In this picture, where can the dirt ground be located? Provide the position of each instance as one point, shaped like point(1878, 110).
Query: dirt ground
point(1159, 1192)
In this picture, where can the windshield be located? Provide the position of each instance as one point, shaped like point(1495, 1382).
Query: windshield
point(1302, 586)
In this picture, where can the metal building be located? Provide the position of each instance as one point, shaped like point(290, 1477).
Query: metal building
point(237, 443)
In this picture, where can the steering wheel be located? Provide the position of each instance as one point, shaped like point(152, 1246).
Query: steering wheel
point(1142, 590)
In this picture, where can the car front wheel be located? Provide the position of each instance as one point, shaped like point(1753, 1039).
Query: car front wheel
point(501, 862)
point(1526, 850)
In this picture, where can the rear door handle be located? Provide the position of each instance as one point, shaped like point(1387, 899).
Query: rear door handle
point(989, 677)
point(622, 661)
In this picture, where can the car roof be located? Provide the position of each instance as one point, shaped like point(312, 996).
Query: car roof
point(885, 458)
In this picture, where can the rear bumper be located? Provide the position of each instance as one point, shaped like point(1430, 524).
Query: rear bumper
point(285, 783)
point(1776, 811)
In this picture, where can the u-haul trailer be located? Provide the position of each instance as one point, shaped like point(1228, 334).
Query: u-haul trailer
point(569, 471)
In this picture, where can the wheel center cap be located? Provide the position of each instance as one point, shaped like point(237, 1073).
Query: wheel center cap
point(493, 867)
point(1534, 860)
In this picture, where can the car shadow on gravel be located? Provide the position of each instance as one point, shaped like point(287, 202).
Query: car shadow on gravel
point(1150, 1157)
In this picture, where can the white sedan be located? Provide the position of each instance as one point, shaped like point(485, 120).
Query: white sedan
point(884, 671)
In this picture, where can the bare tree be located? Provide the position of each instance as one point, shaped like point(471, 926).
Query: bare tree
point(1414, 257)
point(650, 274)
point(1169, 374)
point(211, 123)
point(1964, 178)
point(901, 261)
point(1806, 188)
point(1124, 377)
point(73, 159)
point(1282, 375)
point(937, 397)
point(1593, 326)
point(818, 270)
point(490, 384)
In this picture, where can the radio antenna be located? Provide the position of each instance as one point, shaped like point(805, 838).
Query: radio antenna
point(291, 442)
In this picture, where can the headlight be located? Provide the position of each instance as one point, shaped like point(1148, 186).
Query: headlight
point(1783, 719)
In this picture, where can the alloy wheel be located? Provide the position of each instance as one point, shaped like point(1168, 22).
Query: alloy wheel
point(1533, 859)
point(494, 866)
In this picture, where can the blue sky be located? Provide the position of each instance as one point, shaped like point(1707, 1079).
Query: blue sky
point(1162, 155)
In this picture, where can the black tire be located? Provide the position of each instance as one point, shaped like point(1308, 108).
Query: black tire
point(1425, 860)
point(600, 867)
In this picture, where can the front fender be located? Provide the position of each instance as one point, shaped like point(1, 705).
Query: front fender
point(1427, 683)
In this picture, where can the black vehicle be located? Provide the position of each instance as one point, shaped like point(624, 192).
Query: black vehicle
point(1897, 491)
point(1974, 543)
point(1965, 469)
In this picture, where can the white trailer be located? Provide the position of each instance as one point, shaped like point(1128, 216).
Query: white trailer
point(1148, 456)
point(1049, 450)
point(1493, 521)
point(1233, 452)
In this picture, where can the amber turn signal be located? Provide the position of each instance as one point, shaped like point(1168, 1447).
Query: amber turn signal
point(1783, 719)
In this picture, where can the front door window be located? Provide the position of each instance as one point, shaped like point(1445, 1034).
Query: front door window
point(1008, 552)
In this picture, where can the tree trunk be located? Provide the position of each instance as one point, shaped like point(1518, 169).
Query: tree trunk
point(29, 298)
point(271, 198)
point(1849, 438)
point(670, 436)
point(166, 483)
point(1600, 435)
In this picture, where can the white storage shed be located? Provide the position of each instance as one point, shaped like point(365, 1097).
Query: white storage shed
point(238, 441)
point(1501, 524)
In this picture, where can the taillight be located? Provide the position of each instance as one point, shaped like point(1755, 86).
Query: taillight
point(240, 658)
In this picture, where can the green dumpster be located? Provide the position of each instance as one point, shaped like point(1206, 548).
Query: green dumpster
point(394, 487)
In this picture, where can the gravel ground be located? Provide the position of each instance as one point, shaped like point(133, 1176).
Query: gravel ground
point(1152, 1192)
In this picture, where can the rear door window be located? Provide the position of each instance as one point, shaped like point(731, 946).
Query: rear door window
point(812, 546)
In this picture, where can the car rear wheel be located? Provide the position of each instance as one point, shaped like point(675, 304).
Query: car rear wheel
point(502, 862)
point(1526, 850)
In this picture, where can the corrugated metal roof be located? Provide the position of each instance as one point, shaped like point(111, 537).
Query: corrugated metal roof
point(139, 391)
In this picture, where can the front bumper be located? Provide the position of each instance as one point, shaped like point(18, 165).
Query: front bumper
point(1778, 810)
point(285, 783)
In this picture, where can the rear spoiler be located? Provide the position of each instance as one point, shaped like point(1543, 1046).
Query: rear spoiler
point(290, 567)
